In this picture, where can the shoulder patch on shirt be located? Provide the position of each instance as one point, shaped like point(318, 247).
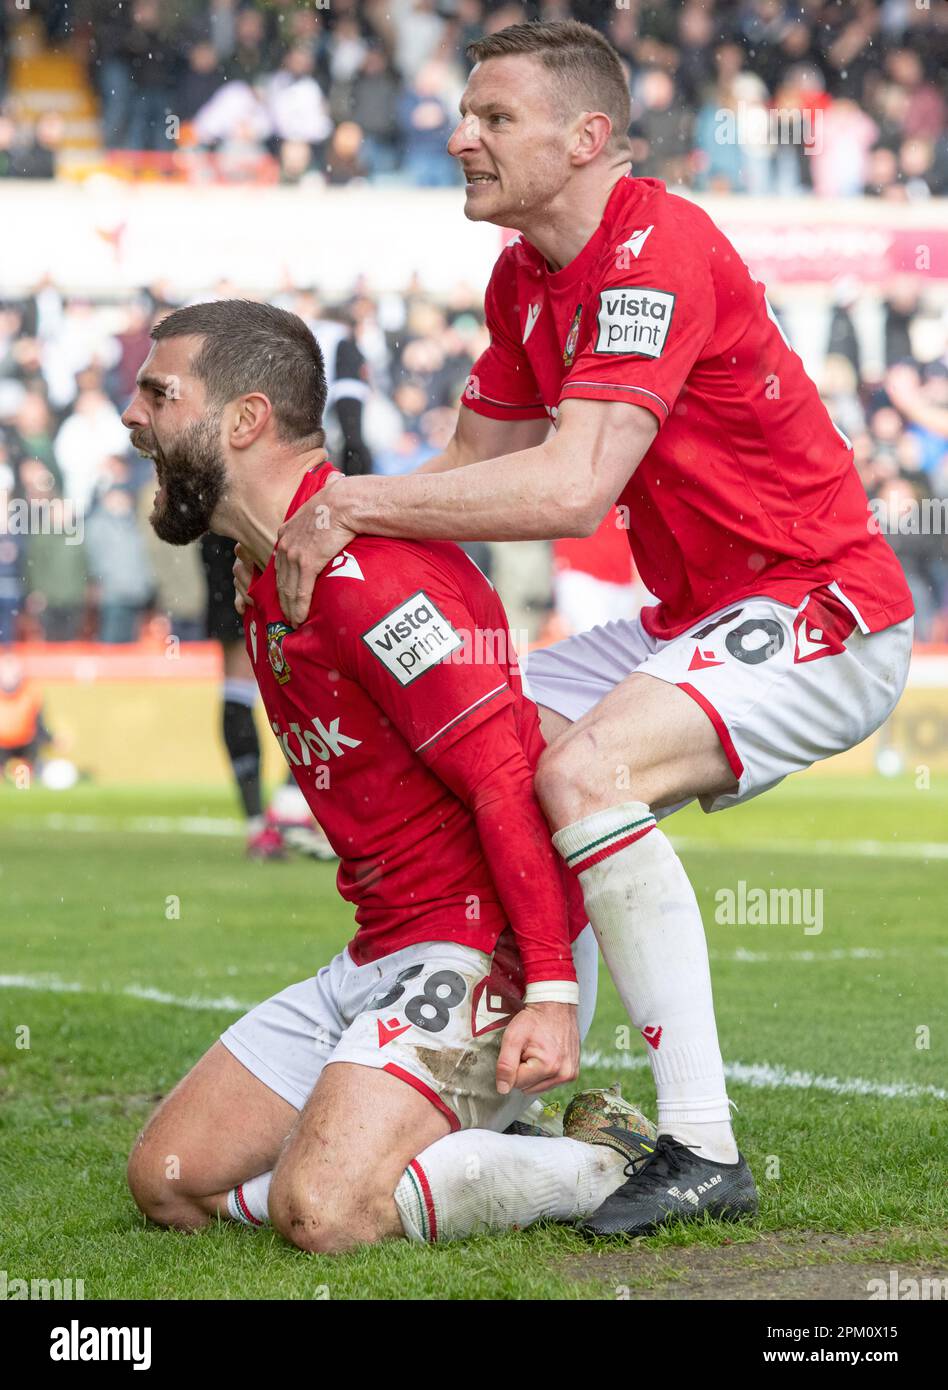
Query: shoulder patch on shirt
point(412, 638)
point(637, 240)
point(344, 566)
point(634, 319)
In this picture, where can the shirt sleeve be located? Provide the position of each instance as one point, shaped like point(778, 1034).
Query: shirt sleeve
point(501, 384)
point(489, 772)
point(653, 318)
point(413, 645)
point(427, 664)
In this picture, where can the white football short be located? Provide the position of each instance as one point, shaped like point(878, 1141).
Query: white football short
point(432, 1015)
point(780, 692)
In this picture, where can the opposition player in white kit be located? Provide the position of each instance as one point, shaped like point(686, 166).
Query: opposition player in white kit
point(782, 634)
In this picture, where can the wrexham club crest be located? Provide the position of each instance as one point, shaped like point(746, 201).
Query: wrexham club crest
point(572, 337)
point(278, 662)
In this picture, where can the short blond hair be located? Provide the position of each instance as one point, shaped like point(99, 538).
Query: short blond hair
point(588, 71)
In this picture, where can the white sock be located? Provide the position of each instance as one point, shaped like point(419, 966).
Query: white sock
point(247, 1202)
point(646, 919)
point(478, 1181)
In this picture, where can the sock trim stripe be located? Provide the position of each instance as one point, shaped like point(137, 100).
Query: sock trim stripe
point(415, 1169)
point(609, 850)
point(416, 1193)
point(244, 1211)
point(604, 839)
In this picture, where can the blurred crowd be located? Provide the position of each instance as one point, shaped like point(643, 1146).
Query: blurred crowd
point(760, 96)
point(78, 559)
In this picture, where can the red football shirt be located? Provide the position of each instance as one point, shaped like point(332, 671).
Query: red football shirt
point(604, 554)
point(748, 487)
point(405, 652)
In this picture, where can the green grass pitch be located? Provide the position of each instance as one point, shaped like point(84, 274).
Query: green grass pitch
point(132, 931)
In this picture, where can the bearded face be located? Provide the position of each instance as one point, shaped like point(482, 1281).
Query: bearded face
point(191, 479)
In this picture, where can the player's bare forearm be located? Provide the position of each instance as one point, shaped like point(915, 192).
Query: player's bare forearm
point(522, 496)
point(560, 487)
point(441, 463)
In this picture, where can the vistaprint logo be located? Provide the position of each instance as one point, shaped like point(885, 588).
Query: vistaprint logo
point(79, 1343)
point(412, 638)
point(41, 1290)
point(770, 907)
point(634, 318)
point(416, 636)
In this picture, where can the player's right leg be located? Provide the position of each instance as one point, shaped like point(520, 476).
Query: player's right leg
point(210, 1141)
point(217, 1128)
point(636, 744)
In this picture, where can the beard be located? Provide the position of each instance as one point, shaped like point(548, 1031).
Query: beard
point(192, 478)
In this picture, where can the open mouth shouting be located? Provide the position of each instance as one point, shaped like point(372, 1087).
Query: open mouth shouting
point(478, 178)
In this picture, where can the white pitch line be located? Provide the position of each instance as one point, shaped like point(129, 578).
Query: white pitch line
point(51, 984)
point(766, 1077)
point(142, 825)
point(744, 957)
point(758, 1074)
point(862, 849)
point(225, 826)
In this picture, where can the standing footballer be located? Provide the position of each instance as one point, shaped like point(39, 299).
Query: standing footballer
point(783, 630)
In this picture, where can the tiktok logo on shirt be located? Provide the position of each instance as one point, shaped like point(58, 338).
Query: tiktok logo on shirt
point(301, 745)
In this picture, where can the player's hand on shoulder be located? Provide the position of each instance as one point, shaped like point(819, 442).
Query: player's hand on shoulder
point(305, 545)
point(540, 1049)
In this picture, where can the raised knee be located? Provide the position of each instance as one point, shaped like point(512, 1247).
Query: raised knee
point(563, 783)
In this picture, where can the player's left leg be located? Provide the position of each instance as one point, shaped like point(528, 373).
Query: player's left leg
point(600, 795)
point(371, 1159)
point(334, 1182)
